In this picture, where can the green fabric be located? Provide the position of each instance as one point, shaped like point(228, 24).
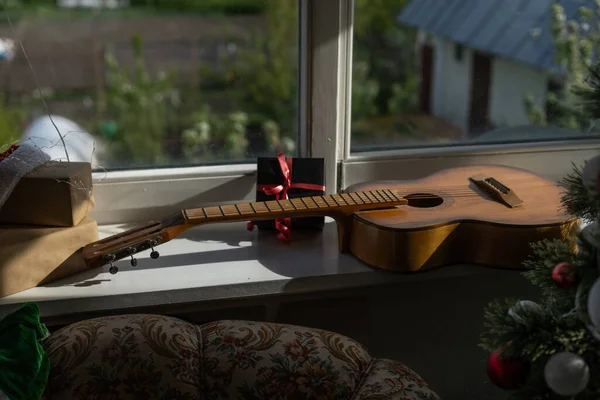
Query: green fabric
point(24, 365)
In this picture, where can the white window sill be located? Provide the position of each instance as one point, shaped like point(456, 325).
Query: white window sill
point(217, 262)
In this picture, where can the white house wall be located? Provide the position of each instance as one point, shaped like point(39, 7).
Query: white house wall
point(451, 83)
point(510, 83)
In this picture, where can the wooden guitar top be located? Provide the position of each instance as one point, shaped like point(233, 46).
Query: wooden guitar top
point(449, 220)
point(453, 197)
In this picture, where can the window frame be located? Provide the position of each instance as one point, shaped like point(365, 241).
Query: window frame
point(139, 195)
point(325, 79)
point(552, 159)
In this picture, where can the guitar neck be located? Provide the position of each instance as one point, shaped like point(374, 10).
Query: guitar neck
point(327, 206)
point(146, 237)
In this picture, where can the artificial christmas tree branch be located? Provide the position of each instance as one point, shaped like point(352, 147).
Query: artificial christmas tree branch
point(550, 349)
point(589, 94)
point(577, 200)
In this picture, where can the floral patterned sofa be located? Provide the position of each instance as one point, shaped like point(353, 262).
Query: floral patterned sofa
point(156, 357)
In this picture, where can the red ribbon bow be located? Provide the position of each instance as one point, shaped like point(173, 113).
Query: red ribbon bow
point(283, 225)
point(8, 152)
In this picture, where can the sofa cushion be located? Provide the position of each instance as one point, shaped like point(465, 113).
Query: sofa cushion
point(150, 357)
point(125, 357)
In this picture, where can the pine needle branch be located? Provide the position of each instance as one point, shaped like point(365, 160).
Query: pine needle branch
point(589, 94)
point(577, 199)
point(546, 254)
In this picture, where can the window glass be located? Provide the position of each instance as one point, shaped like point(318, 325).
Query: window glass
point(150, 83)
point(430, 72)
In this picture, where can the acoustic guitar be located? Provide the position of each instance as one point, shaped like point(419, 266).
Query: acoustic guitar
point(486, 215)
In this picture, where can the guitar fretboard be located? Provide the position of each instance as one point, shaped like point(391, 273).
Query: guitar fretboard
point(312, 205)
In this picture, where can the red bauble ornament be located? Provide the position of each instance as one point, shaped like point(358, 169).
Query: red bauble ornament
point(563, 276)
point(506, 373)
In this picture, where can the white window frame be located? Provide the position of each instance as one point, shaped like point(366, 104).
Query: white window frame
point(324, 131)
point(551, 159)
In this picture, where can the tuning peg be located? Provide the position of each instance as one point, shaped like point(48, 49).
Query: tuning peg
point(155, 254)
point(110, 258)
point(113, 269)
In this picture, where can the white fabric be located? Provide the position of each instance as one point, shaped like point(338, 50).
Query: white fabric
point(82, 146)
point(22, 161)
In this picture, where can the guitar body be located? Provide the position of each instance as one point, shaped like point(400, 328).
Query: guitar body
point(451, 220)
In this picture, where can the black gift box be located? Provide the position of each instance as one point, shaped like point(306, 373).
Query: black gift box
point(304, 170)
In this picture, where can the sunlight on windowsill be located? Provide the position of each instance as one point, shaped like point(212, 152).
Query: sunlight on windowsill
point(219, 262)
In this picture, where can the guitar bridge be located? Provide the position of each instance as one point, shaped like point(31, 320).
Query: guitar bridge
point(497, 190)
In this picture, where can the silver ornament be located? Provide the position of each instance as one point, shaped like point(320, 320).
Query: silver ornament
point(590, 233)
point(589, 174)
point(589, 239)
point(567, 374)
point(523, 307)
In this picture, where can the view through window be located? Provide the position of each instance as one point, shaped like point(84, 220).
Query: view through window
point(151, 83)
point(430, 72)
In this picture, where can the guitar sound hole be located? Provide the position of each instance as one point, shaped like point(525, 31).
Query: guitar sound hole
point(423, 200)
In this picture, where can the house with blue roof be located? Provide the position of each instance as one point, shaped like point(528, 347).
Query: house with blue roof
point(481, 58)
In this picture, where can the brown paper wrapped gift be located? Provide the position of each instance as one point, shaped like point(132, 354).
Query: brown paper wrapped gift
point(54, 194)
point(30, 256)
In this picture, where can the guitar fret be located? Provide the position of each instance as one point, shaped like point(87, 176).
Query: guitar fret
point(392, 194)
point(319, 201)
point(378, 196)
point(328, 201)
point(374, 193)
point(273, 205)
point(371, 197)
point(356, 198)
point(286, 205)
point(311, 200)
point(213, 211)
point(299, 204)
point(348, 199)
point(364, 197)
point(260, 207)
point(245, 208)
point(229, 210)
point(384, 195)
point(339, 199)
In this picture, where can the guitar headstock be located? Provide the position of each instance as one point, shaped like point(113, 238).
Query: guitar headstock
point(128, 243)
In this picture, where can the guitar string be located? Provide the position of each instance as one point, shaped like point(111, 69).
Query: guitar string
point(460, 193)
point(420, 191)
point(455, 194)
point(416, 193)
point(178, 218)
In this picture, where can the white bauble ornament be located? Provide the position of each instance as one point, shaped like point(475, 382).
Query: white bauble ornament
point(589, 174)
point(593, 304)
point(522, 307)
point(567, 374)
